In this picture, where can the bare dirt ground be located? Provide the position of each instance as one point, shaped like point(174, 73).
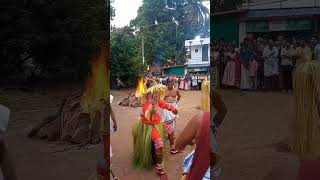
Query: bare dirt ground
point(254, 122)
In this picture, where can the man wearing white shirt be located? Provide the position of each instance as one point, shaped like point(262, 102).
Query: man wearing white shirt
point(271, 71)
point(287, 54)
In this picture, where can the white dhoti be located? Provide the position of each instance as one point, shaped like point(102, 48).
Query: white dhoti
point(187, 163)
point(168, 116)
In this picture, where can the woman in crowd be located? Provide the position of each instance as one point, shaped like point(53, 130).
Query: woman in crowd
point(182, 83)
point(230, 70)
point(237, 78)
point(253, 67)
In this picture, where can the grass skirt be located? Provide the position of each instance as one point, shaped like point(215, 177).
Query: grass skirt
point(143, 146)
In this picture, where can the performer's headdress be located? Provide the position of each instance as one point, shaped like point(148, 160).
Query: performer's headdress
point(155, 88)
point(205, 100)
point(306, 86)
point(158, 88)
point(148, 81)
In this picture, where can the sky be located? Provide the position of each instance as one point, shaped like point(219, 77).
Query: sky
point(126, 10)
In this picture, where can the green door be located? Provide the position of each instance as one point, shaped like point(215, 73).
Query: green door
point(226, 27)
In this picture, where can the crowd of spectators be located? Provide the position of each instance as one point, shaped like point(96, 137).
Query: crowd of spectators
point(262, 63)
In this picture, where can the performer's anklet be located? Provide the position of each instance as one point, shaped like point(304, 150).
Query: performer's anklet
point(174, 150)
point(159, 168)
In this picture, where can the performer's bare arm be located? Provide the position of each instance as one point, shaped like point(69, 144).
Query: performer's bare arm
point(178, 96)
point(220, 107)
point(113, 117)
point(167, 106)
point(189, 133)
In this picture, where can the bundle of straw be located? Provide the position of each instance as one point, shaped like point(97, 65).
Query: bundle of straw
point(306, 124)
point(205, 99)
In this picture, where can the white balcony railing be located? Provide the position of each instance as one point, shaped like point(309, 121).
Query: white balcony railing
point(196, 60)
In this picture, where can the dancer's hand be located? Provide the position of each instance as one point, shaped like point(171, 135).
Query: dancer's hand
point(115, 127)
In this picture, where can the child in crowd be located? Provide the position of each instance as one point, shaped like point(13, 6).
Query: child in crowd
point(253, 68)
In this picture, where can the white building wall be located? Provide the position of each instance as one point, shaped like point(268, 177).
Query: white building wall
point(196, 57)
point(272, 4)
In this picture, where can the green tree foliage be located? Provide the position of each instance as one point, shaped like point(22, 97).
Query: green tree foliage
point(55, 33)
point(126, 62)
point(164, 39)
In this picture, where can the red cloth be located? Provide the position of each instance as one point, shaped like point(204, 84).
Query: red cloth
point(166, 106)
point(309, 170)
point(156, 138)
point(168, 128)
point(201, 158)
point(157, 118)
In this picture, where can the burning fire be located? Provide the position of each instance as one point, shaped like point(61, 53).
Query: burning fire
point(97, 85)
point(140, 88)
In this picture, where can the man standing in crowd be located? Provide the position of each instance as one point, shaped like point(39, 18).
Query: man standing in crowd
point(246, 54)
point(287, 66)
point(271, 72)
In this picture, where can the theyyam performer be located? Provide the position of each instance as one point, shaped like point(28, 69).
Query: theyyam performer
point(150, 133)
point(172, 97)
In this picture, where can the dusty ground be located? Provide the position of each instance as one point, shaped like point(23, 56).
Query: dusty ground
point(254, 122)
